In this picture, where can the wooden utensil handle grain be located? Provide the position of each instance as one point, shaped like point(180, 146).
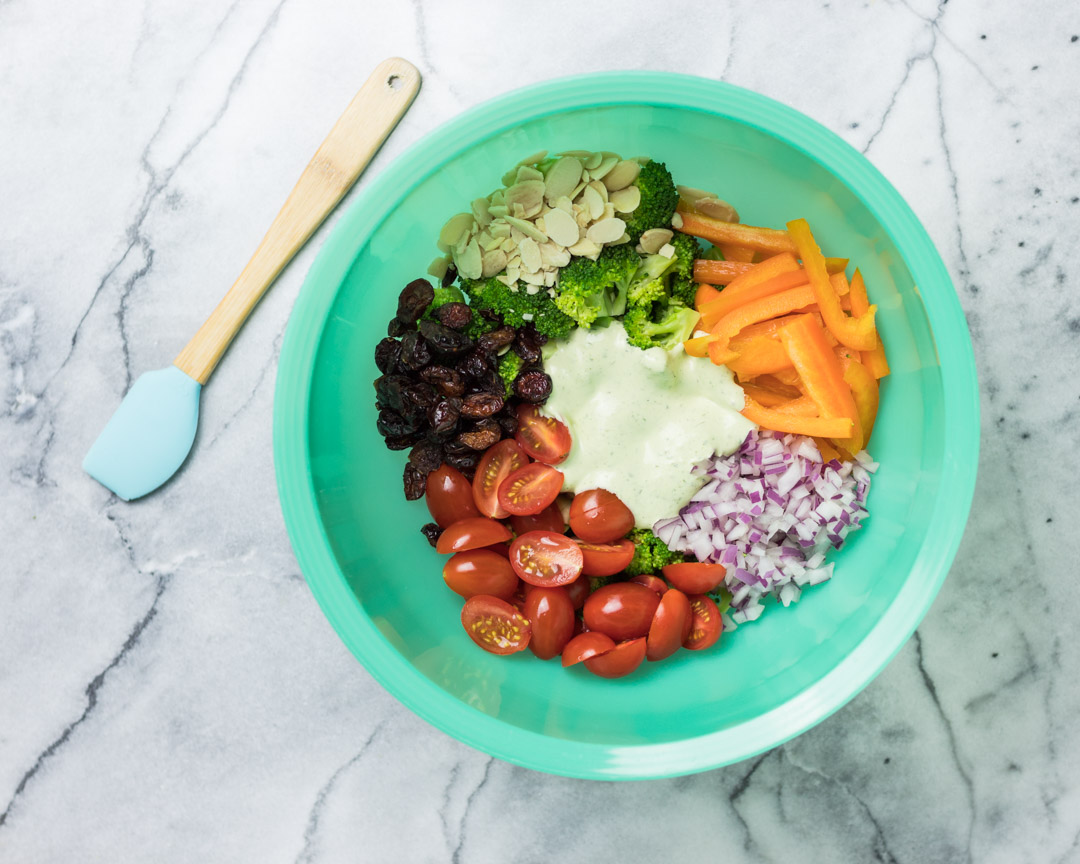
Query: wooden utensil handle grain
point(355, 138)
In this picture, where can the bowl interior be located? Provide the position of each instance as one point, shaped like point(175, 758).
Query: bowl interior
point(394, 575)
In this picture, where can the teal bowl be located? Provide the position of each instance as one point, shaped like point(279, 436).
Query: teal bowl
point(378, 581)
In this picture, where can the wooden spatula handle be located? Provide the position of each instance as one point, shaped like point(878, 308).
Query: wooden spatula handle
point(355, 138)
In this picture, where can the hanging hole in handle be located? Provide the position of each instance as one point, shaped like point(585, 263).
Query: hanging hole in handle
point(394, 82)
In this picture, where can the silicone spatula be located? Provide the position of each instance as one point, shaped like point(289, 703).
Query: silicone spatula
point(151, 433)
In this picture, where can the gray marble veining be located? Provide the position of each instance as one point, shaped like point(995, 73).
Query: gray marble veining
point(169, 690)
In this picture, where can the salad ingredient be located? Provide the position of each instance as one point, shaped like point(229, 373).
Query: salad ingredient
point(874, 359)
point(620, 661)
point(694, 577)
point(722, 272)
point(706, 625)
point(819, 370)
point(651, 554)
point(474, 533)
point(577, 591)
point(670, 626)
point(431, 533)
point(548, 519)
point(449, 496)
point(621, 610)
point(495, 625)
point(530, 490)
point(781, 421)
point(662, 326)
point(654, 583)
point(546, 559)
point(517, 307)
point(640, 420)
point(768, 240)
point(509, 365)
point(776, 274)
point(769, 513)
point(551, 614)
point(603, 559)
point(590, 289)
point(480, 571)
point(658, 200)
point(864, 390)
point(414, 300)
point(533, 386)
point(598, 516)
point(543, 438)
point(497, 463)
point(586, 645)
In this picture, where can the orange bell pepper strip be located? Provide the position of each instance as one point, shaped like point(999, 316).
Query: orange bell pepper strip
point(820, 375)
point(789, 377)
point(844, 354)
point(857, 333)
point(769, 277)
point(765, 396)
point(773, 306)
point(828, 452)
point(720, 355)
point(778, 421)
point(803, 406)
point(705, 293)
point(719, 272)
point(864, 390)
point(773, 383)
point(762, 355)
point(698, 346)
point(724, 233)
point(874, 360)
point(839, 283)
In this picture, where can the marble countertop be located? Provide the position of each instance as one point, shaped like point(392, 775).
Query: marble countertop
point(169, 690)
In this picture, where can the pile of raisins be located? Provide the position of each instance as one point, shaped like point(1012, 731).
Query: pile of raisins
point(440, 393)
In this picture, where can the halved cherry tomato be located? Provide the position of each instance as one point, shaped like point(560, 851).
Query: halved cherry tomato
point(606, 560)
point(449, 496)
point(474, 533)
point(502, 548)
point(480, 571)
point(706, 626)
point(598, 516)
point(695, 578)
point(544, 438)
point(670, 625)
point(586, 645)
point(546, 559)
point(623, 610)
point(551, 615)
point(649, 581)
point(497, 463)
point(578, 591)
point(621, 660)
point(530, 490)
point(548, 519)
point(495, 625)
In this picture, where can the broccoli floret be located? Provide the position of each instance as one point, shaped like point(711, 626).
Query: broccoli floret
point(650, 553)
point(659, 325)
point(509, 366)
point(682, 288)
point(479, 325)
point(449, 294)
point(713, 253)
point(518, 307)
point(597, 289)
point(658, 200)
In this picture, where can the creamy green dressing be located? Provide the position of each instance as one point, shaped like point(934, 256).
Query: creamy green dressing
point(640, 420)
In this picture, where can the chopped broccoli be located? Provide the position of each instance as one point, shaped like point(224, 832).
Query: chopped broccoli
point(713, 253)
point(449, 294)
point(650, 553)
point(597, 289)
point(658, 200)
point(509, 366)
point(479, 325)
point(682, 288)
point(517, 307)
point(659, 325)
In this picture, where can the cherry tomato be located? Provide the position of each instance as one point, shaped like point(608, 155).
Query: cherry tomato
point(649, 581)
point(480, 571)
point(621, 660)
point(706, 626)
point(552, 617)
point(474, 533)
point(578, 591)
point(544, 438)
point(495, 625)
point(548, 519)
point(546, 559)
point(449, 496)
point(497, 463)
point(605, 560)
point(530, 490)
point(623, 610)
point(597, 516)
point(695, 578)
point(586, 645)
point(670, 625)
point(502, 548)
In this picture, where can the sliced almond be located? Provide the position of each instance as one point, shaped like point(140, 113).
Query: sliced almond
point(581, 215)
point(667, 250)
point(585, 248)
point(528, 229)
point(528, 194)
point(676, 220)
point(606, 230)
point(717, 209)
point(565, 204)
point(493, 262)
point(469, 262)
point(580, 154)
point(487, 242)
point(530, 255)
point(626, 200)
point(480, 212)
point(562, 178)
point(690, 194)
point(606, 164)
point(654, 238)
point(456, 226)
point(609, 211)
point(624, 239)
point(527, 172)
point(622, 175)
point(592, 161)
point(439, 266)
point(533, 280)
point(553, 256)
point(533, 158)
point(499, 228)
point(593, 202)
point(498, 211)
point(561, 227)
point(550, 276)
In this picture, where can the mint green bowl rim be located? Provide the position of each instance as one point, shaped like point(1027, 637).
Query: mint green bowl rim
point(591, 760)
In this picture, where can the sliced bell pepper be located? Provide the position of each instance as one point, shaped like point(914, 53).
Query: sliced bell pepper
point(857, 333)
point(864, 390)
point(720, 355)
point(874, 360)
point(705, 292)
point(839, 283)
point(770, 418)
point(773, 306)
point(735, 234)
point(829, 452)
point(761, 355)
point(698, 346)
point(804, 406)
point(773, 383)
point(764, 395)
point(770, 277)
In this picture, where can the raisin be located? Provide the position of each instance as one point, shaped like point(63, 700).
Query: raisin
point(432, 532)
point(475, 365)
point(444, 414)
point(456, 316)
point(446, 380)
point(393, 425)
point(413, 300)
point(415, 353)
point(481, 405)
point(456, 448)
point(402, 442)
point(426, 456)
point(483, 435)
point(443, 340)
point(496, 340)
point(527, 346)
point(389, 391)
point(417, 399)
point(464, 462)
point(489, 382)
point(533, 385)
point(415, 482)
point(449, 276)
point(386, 354)
point(509, 424)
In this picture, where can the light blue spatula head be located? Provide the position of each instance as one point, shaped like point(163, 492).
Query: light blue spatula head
point(149, 436)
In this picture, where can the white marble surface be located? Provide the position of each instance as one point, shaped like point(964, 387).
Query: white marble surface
point(169, 690)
